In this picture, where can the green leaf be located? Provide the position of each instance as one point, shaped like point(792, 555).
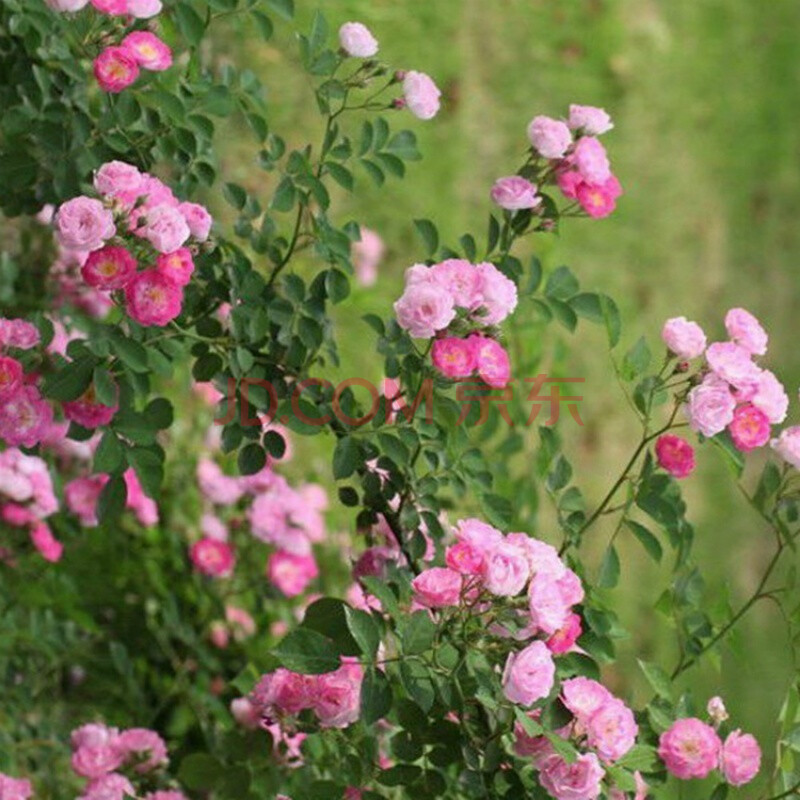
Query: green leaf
point(251, 459)
point(307, 652)
point(561, 284)
point(641, 757)
point(419, 633)
point(149, 469)
point(160, 413)
point(636, 360)
point(111, 502)
point(284, 8)
point(346, 456)
point(263, 23)
point(104, 386)
point(657, 678)
point(337, 285)
point(429, 235)
point(71, 381)
point(285, 196)
point(235, 195)
point(200, 771)
point(190, 23)
point(648, 540)
point(132, 354)
point(404, 145)
point(497, 508)
point(376, 696)
point(327, 616)
point(364, 630)
point(417, 681)
point(108, 457)
point(609, 569)
point(340, 174)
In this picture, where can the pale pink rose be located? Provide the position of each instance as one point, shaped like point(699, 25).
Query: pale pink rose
point(165, 228)
point(114, 786)
point(421, 95)
point(684, 338)
point(591, 160)
point(50, 549)
point(770, 397)
point(93, 734)
point(741, 758)
point(675, 455)
point(373, 561)
point(454, 357)
point(529, 674)
point(550, 137)
point(25, 418)
point(424, 309)
point(14, 788)
point(366, 254)
point(81, 496)
point(579, 780)
point(198, 219)
point(109, 268)
point(564, 639)
point(584, 697)
point(242, 624)
point(464, 558)
point(598, 200)
point(215, 485)
point(144, 747)
point(787, 445)
point(716, 710)
point(478, 534)
point(96, 761)
point(218, 634)
point(506, 570)
point(336, 697)
point(437, 587)
point(749, 428)
point(746, 331)
point(177, 267)
point(148, 50)
point(357, 40)
point(690, 748)
point(589, 120)
point(492, 362)
point(88, 411)
point(67, 6)
point(291, 574)
point(153, 299)
point(733, 364)
point(611, 731)
point(84, 223)
point(144, 9)
point(168, 794)
point(542, 557)
point(282, 692)
point(514, 193)
point(461, 279)
point(117, 178)
point(143, 507)
point(18, 333)
point(245, 713)
point(212, 558)
point(115, 69)
point(710, 406)
point(498, 294)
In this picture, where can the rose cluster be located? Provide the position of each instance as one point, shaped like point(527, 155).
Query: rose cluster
point(734, 392)
point(137, 221)
point(27, 498)
point(118, 66)
point(691, 748)
point(459, 303)
point(334, 697)
point(574, 159)
point(114, 761)
point(420, 94)
point(602, 726)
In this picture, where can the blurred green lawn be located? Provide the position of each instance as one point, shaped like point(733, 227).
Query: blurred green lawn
point(706, 99)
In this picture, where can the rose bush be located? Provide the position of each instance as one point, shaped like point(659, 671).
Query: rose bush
point(180, 620)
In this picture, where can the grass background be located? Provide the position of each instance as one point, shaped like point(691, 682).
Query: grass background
point(706, 100)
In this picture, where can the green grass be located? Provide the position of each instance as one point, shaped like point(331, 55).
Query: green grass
point(706, 100)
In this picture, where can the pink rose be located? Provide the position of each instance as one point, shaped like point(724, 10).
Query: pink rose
point(492, 361)
point(787, 446)
point(584, 697)
point(514, 193)
point(282, 692)
point(711, 406)
point(599, 200)
point(498, 294)
point(550, 137)
point(291, 574)
point(579, 780)
point(113, 786)
point(81, 496)
point(245, 713)
point(690, 748)
point(454, 357)
point(115, 69)
point(148, 50)
point(115, 7)
point(424, 309)
point(15, 788)
point(96, 761)
point(741, 758)
point(117, 178)
point(589, 120)
point(529, 674)
point(611, 730)
point(675, 455)
point(146, 747)
point(421, 95)
point(176, 267)
point(464, 558)
point(506, 570)
point(18, 333)
point(564, 639)
point(152, 299)
point(716, 710)
point(749, 428)
point(84, 223)
point(144, 9)
point(733, 364)
point(43, 540)
point(366, 255)
point(66, 6)
point(437, 587)
point(460, 278)
point(198, 219)
point(25, 418)
point(11, 376)
point(770, 397)
point(684, 338)
point(109, 268)
point(591, 160)
point(165, 228)
point(212, 557)
point(357, 40)
point(88, 412)
point(746, 331)
point(336, 697)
